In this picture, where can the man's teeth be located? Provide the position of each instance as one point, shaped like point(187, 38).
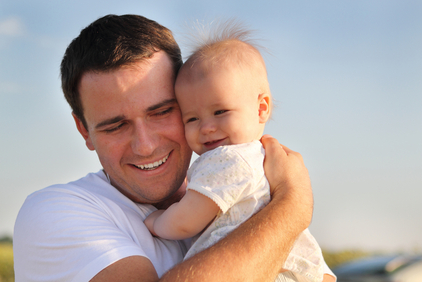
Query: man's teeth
point(153, 165)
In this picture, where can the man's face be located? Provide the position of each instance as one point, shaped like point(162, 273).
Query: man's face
point(134, 124)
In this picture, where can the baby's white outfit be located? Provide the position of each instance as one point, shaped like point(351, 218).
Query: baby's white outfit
point(233, 177)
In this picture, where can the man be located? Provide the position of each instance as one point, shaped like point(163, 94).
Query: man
point(118, 76)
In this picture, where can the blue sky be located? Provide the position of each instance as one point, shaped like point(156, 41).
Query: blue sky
point(347, 80)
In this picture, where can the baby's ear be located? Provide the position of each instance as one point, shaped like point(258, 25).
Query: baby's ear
point(264, 107)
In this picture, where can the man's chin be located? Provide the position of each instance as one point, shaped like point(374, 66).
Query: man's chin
point(174, 198)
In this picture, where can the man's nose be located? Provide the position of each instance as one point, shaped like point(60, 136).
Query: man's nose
point(144, 139)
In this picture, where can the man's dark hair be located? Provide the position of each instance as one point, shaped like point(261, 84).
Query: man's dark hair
point(109, 43)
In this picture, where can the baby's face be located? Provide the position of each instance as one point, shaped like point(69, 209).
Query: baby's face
point(221, 108)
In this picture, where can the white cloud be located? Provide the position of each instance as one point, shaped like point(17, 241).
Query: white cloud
point(7, 87)
point(12, 26)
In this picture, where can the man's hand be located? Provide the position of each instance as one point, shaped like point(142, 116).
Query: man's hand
point(288, 177)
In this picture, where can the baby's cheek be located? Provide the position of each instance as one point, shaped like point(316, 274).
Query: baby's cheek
point(191, 138)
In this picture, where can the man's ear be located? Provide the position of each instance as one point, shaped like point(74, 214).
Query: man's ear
point(264, 107)
point(84, 132)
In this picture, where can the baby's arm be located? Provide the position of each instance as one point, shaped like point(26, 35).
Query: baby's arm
point(183, 219)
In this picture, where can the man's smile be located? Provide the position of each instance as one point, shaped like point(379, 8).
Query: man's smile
point(153, 165)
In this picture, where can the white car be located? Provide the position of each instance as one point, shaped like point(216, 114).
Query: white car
point(399, 268)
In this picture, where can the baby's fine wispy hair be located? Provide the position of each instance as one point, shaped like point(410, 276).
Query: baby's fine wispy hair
point(202, 36)
point(225, 41)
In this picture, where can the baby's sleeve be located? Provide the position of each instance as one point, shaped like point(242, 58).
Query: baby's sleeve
point(222, 175)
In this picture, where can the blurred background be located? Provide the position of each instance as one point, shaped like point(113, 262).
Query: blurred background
point(347, 80)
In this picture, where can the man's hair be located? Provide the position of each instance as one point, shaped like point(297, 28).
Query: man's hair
point(110, 43)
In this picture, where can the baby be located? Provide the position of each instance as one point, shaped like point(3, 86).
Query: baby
point(225, 100)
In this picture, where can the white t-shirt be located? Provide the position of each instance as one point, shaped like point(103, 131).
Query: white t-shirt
point(70, 232)
point(233, 177)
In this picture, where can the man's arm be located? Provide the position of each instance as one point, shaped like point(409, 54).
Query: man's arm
point(135, 268)
point(256, 250)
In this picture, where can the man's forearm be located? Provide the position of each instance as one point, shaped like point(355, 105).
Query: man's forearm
point(255, 251)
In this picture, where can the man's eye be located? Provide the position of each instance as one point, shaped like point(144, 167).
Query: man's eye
point(164, 112)
point(191, 120)
point(219, 112)
point(109, 130)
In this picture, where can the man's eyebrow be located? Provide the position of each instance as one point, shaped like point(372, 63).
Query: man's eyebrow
point(162, 104)
point(109, 121)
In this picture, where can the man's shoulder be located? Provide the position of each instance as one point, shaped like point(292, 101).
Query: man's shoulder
point(81, 185)
point(63, 197)
point(78, 203)
point(90, 193)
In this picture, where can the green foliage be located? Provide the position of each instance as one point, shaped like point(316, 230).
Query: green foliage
point(6, 239)
point(6, 263)
point(334, 259)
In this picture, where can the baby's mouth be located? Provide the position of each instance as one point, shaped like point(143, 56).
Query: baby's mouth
point(210, 143)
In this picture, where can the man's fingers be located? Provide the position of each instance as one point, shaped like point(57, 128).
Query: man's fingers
point(292, 153)
point(272, 146)
point(287, 150)
point(268, 140)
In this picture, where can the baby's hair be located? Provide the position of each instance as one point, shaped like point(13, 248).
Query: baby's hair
point(213, 42)
point(226, 43)
point(205, 35)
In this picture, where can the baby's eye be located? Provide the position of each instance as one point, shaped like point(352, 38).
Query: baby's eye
point(191, 119)
point(219, 112)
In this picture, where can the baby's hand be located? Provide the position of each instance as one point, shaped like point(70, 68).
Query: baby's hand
point(149, 221)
